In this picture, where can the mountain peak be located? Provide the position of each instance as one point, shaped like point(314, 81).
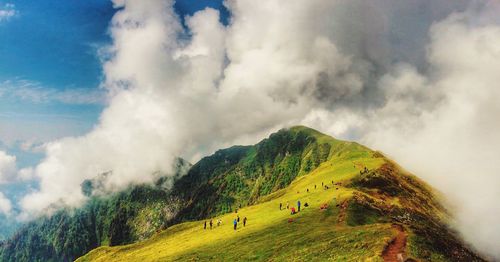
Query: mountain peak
point(357, 205)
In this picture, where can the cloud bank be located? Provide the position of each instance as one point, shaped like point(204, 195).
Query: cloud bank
point(7, 11)
point(5, 205)
point(7, 167)
point(414, 79)
point(29, 91)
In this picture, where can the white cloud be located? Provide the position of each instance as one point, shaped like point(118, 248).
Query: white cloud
point(362, 76)
point(444, 126)
point(5, 205)
point(33, 92)
point(170, 96)
point(25, 174)
point(9, 171)
point(7, 12)
point(7, 167)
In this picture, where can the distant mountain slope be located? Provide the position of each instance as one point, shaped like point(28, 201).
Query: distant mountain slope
point(217, 184)
point(128, 216)
point(240, 175)
point(361, 206)
point(131, 215)
point(357, 224)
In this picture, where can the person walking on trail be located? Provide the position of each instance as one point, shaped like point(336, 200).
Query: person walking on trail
point(287, 205)
point(205, 226)
point(244, 221)
point(238, 218)
point(211, 223)
point(281, 205)
point(298, 206)
point(235, 224)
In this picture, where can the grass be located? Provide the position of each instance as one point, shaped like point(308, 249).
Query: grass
point(314, 234)
point(356, 226)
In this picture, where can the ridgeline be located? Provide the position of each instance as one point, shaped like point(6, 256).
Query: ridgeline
point(360, 206)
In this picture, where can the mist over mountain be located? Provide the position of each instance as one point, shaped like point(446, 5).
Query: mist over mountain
point(414, 79)
point(369, 194)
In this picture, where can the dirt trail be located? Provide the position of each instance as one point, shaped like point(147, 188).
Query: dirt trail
point(342, 213)
point(395, 250)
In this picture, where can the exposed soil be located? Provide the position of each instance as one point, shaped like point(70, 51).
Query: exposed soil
point(395, 250)
point(342, 213)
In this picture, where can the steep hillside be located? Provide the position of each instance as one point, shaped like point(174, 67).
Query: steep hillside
point(128, 216)
point(229, 179)
point(361, 206)
point(106, 219)
point(238, 176)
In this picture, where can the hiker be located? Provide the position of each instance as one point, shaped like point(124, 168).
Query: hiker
point(238, 218)
point(205, 226)
point(293, 211)
point(298, 205)
point(244, 221)
point(314, 186)
point(281, 204)
point(211, 223)
point(308, 190)
point(235, 224)
point(218, 222)
point(287, 205)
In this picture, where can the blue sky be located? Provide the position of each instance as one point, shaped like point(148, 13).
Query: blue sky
point(48, 58)
point(50, 70)
point(50, 73)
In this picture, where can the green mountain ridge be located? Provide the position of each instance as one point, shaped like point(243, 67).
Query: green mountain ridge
point(371, 196)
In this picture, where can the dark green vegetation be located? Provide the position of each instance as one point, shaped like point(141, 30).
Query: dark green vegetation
point(238, 176)
point(128, 216)
point(217, 184)
point(7, 226)
point(367, 194)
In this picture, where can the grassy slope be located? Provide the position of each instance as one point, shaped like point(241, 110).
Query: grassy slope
point(314, 235)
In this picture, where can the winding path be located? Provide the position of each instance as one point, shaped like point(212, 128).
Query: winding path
point(342, 213)
point(395, 250)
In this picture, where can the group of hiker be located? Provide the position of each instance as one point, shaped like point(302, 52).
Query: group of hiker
point(364, 171)
point(237, 220)
point(211, 223)
point(325, 187)
point(292, 209)
point(219, 222)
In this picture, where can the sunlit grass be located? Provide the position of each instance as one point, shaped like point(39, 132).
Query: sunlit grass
point(314, 234)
